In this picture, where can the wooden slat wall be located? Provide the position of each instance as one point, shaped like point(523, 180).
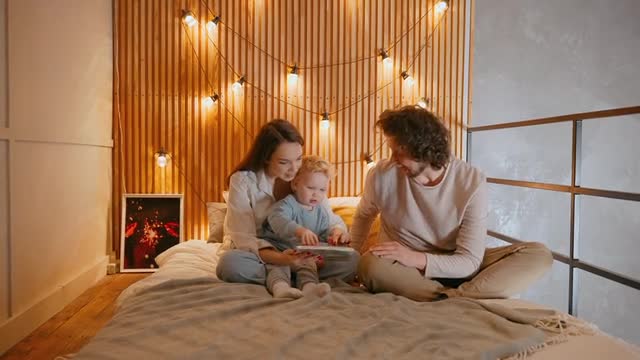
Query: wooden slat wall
point(163, 69)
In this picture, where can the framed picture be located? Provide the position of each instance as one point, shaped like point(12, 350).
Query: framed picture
point(151, 223)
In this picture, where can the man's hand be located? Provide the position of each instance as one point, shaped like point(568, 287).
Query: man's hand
point(338, 237)
point(306, 236)
point(395, 251)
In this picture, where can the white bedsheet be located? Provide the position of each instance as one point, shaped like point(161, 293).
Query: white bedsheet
point(197, 258)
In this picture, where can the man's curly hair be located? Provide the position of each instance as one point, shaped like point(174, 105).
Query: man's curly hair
point(419, 132)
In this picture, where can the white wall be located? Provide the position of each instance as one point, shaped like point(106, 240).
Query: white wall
point(55, 151)
point(537, 58)
point(540, 58)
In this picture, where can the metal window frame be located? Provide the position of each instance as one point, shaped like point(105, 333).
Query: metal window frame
point(574, 189)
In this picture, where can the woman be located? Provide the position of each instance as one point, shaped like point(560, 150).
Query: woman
point(260, 180)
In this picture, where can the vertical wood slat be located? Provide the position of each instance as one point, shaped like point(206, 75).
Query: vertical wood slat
point(162, 80)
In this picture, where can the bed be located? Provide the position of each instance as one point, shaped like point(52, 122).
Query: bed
point(183, 311)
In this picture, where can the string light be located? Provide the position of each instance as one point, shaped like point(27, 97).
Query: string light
point(293, 75)
point(423, 103)
point(212, 24)
point(386, 60)
point(189, 18)
point(407, 78)
point(211, 100)
point(162, 157)
point(369, 160)
point(237, 86)
point(442, 5)
point(325, 123)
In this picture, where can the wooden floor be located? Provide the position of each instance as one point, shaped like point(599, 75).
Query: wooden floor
point(76, 324)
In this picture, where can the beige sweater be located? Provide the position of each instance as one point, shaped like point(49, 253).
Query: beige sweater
point(446, 221)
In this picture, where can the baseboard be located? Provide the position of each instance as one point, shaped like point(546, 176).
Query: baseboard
point(21, 325)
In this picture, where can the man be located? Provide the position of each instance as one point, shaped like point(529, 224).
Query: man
point(433, 211)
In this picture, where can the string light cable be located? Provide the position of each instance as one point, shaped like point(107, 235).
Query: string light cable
point(305, 67)
point(316, 113)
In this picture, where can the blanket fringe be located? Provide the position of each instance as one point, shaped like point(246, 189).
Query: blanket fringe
point(558, 329)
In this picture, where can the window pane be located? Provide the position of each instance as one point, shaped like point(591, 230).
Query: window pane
point(608, 235)
point(610, 150)
point(552, 289)
point(531, 215)
point(611, 306)
point(535, 153)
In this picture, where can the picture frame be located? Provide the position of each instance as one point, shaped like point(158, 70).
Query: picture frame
point(151, 223)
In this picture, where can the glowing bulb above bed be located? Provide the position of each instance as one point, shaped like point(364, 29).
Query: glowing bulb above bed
point(162, 158)
point(189, 18)
point(325, 123)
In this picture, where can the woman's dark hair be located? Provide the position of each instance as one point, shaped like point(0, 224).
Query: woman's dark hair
point(272, 134)
point(419, 132)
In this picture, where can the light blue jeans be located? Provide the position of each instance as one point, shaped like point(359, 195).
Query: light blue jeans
point(238, 266)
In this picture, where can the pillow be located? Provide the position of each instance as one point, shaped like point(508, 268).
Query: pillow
point(347, 212)
point(216, 212)
point(344, 201)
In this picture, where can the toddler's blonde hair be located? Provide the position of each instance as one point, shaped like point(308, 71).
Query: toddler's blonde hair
point(314, 164)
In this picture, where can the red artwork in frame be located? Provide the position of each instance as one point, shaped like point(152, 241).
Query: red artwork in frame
point(151, 223)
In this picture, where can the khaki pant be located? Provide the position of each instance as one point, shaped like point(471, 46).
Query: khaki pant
point(504, 272)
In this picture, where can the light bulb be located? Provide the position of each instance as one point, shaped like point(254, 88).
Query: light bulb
point(407, 78)
point(325, 123)
point(210, 100)
point(423, 103)
point(161, 160)
point(189, 18)
point(370, 163)
point(212, 24)
point(442, 5)
point(386, 60)
point(237, 86)
point(293, 75)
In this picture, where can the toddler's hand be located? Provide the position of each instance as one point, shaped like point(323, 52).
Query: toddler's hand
point(338, 237)
point(306, 236)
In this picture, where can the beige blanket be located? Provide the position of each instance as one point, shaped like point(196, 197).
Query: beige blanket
point(206, 319)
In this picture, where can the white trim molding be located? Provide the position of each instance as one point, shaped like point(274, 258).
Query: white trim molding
point(21, 325)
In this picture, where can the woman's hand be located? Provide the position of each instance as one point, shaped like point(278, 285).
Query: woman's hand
point(296, 259)
point(338, 237)
point(306, 236)
point(395, 251)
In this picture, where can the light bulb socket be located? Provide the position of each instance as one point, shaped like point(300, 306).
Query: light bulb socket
point(294, 70)
point(214, 98)
point(404, 75)
point(368, 158)
point(383, 54)
point(215, 20)
point(325, 116)
point(186, 13)
point(241, 81)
